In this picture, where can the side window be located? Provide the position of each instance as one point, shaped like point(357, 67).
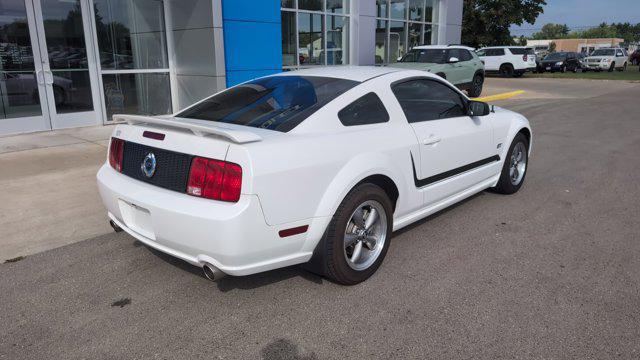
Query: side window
point(456, 53)
point(499, 52)
point(424, 100)
point(619, 53)
point(366, 110)
point(465, 55)
point(481, 53)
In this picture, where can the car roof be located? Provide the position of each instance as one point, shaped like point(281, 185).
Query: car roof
point(444, 47)
point(508, 47)
point(355, 73)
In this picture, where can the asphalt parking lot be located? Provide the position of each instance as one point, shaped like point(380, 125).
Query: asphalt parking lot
point(550, 272)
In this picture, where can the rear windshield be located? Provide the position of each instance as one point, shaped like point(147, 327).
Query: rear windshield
point(276, 103)
point(603, 52)
point(521, 51)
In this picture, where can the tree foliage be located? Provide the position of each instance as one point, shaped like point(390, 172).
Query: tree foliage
point(487, 22)
point(626, 31)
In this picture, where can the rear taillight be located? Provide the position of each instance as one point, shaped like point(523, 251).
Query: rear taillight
point(215, 179)
point(116, 150)
point(525, 57)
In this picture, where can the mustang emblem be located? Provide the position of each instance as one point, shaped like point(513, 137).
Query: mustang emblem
point(149, 165)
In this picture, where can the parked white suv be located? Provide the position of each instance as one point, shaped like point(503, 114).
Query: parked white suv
point(508, 61)
point(607, 59)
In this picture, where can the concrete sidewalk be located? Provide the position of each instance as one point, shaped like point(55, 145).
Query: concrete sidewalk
point(48, 193)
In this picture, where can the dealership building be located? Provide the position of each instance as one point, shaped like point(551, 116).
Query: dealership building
point(70, 63)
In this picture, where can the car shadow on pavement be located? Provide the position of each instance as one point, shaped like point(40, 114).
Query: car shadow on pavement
point(284, 349)
point(248, 282)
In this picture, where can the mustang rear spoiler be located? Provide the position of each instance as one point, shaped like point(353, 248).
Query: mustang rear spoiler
point(198, 127)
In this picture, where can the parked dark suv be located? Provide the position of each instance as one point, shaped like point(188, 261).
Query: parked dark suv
point(635, 57)
point(560, 61)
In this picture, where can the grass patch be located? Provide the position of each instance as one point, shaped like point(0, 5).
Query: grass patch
point(15, 259)
point(632, 74)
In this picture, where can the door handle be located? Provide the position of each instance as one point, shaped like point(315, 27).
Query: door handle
point(39, 77)
point(431, 140)
point(48, 77)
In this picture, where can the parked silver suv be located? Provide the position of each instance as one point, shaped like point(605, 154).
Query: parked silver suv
point(607, 59)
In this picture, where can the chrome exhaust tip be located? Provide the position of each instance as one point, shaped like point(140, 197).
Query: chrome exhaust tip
point(212, 273)
point(115, 226)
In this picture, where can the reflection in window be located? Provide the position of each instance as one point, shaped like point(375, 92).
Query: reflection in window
point(398, 9)
point(381, 41)
point(430, 35)
point(338, 6)
point(415, 31)
point(310, 39)
point(382, 8)
point(146, 94)
point(288, 38)
point(337, 40)
point(397, 40)
point(416, 10)
point(18, 86)
point(315, 5)
point(431, 11)
point(131, 34)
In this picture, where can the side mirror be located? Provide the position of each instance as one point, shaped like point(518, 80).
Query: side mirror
point(453, 60)
point(478, 108)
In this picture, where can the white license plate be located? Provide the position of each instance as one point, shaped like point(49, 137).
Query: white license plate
point(137, 219)
point(548, 68)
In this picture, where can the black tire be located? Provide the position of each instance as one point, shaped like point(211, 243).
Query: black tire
point(612, 67)
point(563, 69)
point(506, 70)
point(505, 186)
point(332, 250)
point(623, 68)
point(575, 69)
point(476, 86)
point(518, 74)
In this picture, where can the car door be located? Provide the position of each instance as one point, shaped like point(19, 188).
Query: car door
point(455, 149)
point(620, 58)
point(455, 70)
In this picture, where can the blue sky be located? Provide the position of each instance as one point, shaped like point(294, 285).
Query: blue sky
point(582, 13)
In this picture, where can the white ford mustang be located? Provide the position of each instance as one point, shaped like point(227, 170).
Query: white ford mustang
point(315, 166)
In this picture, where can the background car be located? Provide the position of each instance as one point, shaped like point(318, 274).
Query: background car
point(560, 61)
point(634, 58)
point(607, 59)
point(314, 167)
point(457, 64)
point(508, 61)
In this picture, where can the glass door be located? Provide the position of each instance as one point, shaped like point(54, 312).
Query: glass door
point(22, 89)
point(68, 63)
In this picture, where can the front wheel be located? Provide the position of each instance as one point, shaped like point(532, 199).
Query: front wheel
point(357, 238)
point(476, 86)
point(515, 166)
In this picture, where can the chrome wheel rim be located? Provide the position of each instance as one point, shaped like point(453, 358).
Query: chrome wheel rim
point(365, 235)
point(518, 164)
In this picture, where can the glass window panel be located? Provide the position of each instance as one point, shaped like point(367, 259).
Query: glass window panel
point(415, 32)
point(19, 94)
point(337, 40)
point(289, 38)
point(131, 34)
point(397, 40)
point(287, 3)
point(64, 34)
point(431, 10)
point(382, 8)
point(144, 94)
point(72, 91)
point(381, 41)
point(338, 6)
point(430, 34)
point(416, 10)
point(310, 5)
point(399, 9)
point(310, 39)
point(18, 86)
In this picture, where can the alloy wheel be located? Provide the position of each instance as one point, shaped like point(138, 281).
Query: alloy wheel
point(365, 235)
point(518, 164)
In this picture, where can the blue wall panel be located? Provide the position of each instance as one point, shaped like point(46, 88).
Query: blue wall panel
point(252, 39)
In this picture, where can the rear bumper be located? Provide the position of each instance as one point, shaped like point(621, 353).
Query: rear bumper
point(234, 237)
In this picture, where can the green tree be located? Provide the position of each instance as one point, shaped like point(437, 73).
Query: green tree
point(487, 22)
point(552, 31)
point(552, 47)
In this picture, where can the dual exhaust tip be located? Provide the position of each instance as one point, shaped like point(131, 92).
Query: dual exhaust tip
point(212, 273)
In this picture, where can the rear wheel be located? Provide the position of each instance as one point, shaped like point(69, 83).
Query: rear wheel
point(515, 166)
point(476, 86)
point(623, 68)
point(506, 70)
point(357, 238)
